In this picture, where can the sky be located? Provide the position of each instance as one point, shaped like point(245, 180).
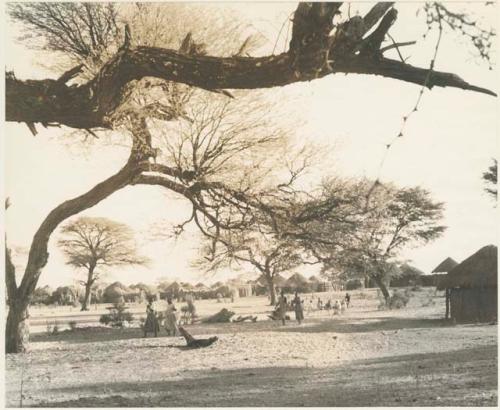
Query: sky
point(447, 145)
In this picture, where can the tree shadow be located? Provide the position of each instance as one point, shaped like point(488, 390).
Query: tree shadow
point(466, 377)
point(372, 324)
point(94, 334)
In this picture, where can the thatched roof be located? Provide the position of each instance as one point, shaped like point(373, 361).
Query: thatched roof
point(477, 271)
point(408, 270)
point(314, 279)
point(186, 286)
point(279, 280)
point(173, 287)
point(297, 280)
point(200, 287)
point(216, 285)
point(147, 289)
point(447, 265)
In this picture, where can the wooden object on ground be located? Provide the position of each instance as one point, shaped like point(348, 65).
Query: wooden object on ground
point(196, 343)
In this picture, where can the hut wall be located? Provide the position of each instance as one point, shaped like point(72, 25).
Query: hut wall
point(473, 305)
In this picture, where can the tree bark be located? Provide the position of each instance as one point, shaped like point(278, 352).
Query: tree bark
point(380, 283)
point(313, 53)
point(272, 291)
point(88, 287)
point(17, 328)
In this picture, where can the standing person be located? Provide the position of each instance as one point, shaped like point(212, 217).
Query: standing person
point(347, 299)
point(171, 318)
point(299, 310)
point(151, 324)
point(320, 304)
point(282, 304)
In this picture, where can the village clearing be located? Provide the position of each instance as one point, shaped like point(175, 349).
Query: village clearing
point(366, 357)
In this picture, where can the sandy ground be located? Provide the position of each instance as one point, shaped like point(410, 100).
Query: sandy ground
point(366, 357)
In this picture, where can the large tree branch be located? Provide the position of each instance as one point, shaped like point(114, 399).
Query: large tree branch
point(313, 53)
point(38, 254)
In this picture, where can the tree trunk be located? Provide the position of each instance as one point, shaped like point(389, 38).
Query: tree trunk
point(17, 329)
point(380, 283)
point(88, 287)
point(272, 291)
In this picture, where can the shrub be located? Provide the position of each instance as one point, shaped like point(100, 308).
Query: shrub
point(117, 315)
point(72, 325)
point(399, 299)
point(55, 328)
point(429, 302)
point(353, 284)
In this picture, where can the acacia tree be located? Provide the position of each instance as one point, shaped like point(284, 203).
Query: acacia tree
point(112, 98)
point(90, 243)
point(130, 118)
point(395, 218)
point(264, 253)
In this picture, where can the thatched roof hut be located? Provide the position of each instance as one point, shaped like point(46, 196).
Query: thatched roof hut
point(216, 285)
point(297, 280)
point(477, 271)
point(118, 291)
point(407, 275)
point(445, 266)
point(471, 287)
point(279, 281)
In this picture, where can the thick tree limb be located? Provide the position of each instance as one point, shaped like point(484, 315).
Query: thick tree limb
point(38, 254)
point(313, 53)
point(398, 70)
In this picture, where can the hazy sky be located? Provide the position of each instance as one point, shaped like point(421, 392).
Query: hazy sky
point(448, 144)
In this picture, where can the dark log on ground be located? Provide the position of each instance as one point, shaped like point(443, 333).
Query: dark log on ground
point(250, 318)
point(196, 343)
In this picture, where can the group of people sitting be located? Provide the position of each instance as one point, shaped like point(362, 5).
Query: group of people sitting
point(337, 307)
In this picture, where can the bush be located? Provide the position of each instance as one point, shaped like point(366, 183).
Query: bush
point(399, 299)
point(117, 315)
point(72, 325)
point(353, 284)
point(429, 302)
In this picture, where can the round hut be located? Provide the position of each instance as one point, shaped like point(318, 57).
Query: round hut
point(471, 287)
point(297, 283)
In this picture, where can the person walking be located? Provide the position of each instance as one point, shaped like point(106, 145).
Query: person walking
point(347, 299)
point(171, 318)
point(298, 307)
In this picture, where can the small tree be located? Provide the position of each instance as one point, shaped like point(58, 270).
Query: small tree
point(89, 243)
